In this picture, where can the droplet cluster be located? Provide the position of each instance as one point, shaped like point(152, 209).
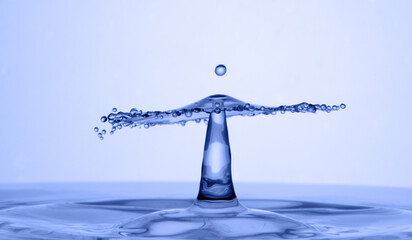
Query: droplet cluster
point(200, 110)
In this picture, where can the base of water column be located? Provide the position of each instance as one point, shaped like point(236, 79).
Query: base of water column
point(216, 221)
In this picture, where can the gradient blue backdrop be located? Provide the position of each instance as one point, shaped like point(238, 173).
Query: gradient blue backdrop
point(63, 64)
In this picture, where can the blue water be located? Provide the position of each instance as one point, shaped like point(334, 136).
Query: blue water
point(220, 70)
point(200, 111)
point(96, 211)
point(216, 213)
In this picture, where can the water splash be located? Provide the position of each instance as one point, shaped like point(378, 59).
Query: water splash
point(216, 213)
point(201, 109)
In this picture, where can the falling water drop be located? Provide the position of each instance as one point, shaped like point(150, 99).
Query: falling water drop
point(220, 70)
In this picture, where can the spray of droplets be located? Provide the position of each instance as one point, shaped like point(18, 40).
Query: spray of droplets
point(199, 111)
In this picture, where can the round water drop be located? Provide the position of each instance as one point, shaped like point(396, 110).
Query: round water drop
point(96, 129)
point(103, 119)
point(119, 127)
point(188, 113)
point(114, 110)
point(111, 132)
point(99, 135)
point(343, 106)
point(103, 131)
point(146, 126)
point(220, 70)
point(197, 120)
point(134, 111)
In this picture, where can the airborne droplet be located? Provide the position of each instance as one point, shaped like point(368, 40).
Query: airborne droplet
point(220, 70)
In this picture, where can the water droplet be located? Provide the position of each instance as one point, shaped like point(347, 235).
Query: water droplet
point(103, 131)
point(217, 104)
point(220, 70)
point(114, 110)
point(188, 113)
point(96, 129)
point(146, 126)
point(111, 132)
point(119, 127)
point(183, 123)
point(134, 111)
point(217, 110)
point(335, 108)
point(342, 106)
point(197, 120)
point(273, 113)
point(99, 135)
point(103, 119)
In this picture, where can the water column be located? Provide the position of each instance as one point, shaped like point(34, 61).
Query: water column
point(216, 184)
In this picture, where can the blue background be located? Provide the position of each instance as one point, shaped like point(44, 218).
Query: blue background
point(63, 64)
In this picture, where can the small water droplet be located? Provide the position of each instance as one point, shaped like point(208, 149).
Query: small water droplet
point(99, 135)
point(188, 113)
point(197, 120)
point(119, 127)
point(218, 110)
point(183, 123)
point(146, 126)
point(220, 70)
point(103, 119)
point(217, 104)
point(114, 110)
point(103, 131)
point(134, 111)
point(111, 132)
point(342, 106)
point(96, 129)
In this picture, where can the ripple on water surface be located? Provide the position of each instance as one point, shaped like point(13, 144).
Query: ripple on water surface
point(65, 218)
